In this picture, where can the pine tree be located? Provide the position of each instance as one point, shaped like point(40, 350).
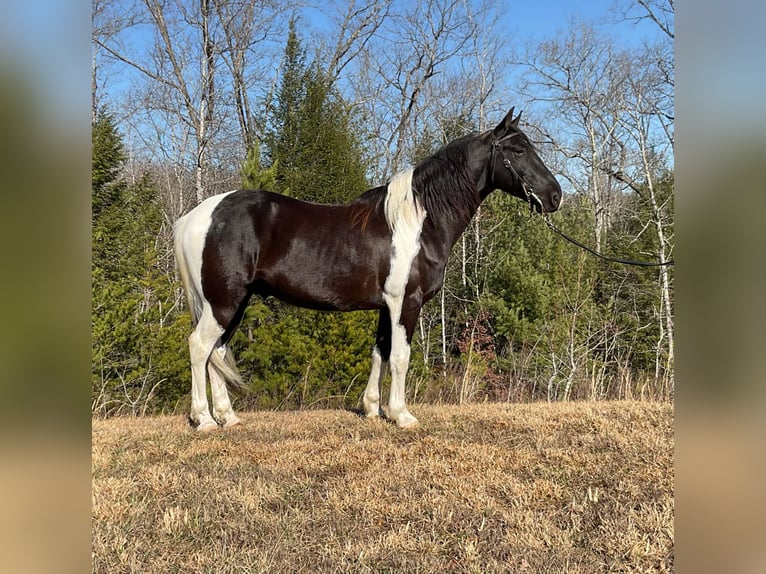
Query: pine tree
point(310, 142)
point(107, 158)
point(254, 175)
point(138, 341)
point(282, 114)
point(329, 168)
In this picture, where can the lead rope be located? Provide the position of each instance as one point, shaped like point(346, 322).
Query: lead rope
point(531, 197)
point(573, 241)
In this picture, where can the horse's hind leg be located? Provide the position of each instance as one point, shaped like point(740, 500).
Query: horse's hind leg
point(222, 409)
point(202, 341)
point(371, 397)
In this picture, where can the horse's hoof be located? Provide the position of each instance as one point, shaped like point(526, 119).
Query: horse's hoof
point(406, 421)
point(208, 426)
point(234, 422)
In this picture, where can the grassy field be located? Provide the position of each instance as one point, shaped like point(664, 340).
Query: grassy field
point(571, 487)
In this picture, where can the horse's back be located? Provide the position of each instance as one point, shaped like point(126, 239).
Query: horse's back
point(308, 254)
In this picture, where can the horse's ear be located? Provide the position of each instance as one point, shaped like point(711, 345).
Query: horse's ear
point(508, 122)
point(515, 122)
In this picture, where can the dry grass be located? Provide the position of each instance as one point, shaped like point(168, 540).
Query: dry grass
point(576, 487)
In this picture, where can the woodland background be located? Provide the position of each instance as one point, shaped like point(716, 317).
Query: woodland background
point(190, 99)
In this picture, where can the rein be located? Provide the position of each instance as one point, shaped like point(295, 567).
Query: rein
point(534, 201)
point(573, 241)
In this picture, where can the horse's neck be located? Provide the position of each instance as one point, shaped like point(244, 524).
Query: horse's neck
point(463, 219)
point(448, 231)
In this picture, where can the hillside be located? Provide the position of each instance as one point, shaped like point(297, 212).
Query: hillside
point(575, 487)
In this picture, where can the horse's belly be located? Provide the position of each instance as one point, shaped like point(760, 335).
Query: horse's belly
point(326, 288)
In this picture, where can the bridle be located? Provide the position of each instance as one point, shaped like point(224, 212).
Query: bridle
point(534, 201)
point(531, 197)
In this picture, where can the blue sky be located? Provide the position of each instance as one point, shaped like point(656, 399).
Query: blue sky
point(544, 19)
point(523, 20)
point(41, 36)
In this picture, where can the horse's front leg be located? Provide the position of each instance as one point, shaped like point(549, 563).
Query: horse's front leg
point(380, 356)
point(404, 315)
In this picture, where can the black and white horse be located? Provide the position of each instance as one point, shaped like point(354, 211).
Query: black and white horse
point(385, 250)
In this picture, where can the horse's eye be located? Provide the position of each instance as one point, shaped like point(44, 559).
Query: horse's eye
point(519, 151)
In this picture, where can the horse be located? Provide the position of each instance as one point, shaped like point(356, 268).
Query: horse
point(386, 251)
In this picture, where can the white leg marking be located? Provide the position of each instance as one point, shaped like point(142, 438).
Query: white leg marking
point(222, 410)
point(371, 398)
point(202, 341)
point(406, 218)
point(400, 361)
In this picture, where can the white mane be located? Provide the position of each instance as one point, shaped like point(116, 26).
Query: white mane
point(401, 208)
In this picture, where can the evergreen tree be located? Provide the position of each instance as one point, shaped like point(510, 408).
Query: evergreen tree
point(310, 143)
point(254, 175)
point(328, 164)
point(138, 364)
point(282, 114)
point(107, 158)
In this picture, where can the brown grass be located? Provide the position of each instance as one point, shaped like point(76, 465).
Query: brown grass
point(574, 487)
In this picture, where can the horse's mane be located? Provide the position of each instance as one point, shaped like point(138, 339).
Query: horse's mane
point(371, 201)
point(442, 183)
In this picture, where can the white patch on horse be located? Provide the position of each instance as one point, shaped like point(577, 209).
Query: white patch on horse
point(190, 235)
point(400, 206)
point(405, 217)
point(371, 398)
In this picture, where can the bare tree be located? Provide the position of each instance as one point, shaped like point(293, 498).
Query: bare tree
point(649, 124)
point(193, 78)
point(394, 69)
point(108, 21)
point(188, 95)
point(356, 24)
point(246, 28)
point(617, 105)
point(578, 78)
point(645, 133)
point(661, 12)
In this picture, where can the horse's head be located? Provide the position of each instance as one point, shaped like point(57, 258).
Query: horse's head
point(516, 168)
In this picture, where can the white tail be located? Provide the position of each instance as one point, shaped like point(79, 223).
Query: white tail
point(188, 249)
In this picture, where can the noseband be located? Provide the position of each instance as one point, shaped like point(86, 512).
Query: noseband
point(529, 191)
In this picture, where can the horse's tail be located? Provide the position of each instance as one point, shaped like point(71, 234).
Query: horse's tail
point(193, 298)
point(225, 366)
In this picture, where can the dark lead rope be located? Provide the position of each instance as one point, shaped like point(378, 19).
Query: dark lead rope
point(605, 257)
point(531, 197)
